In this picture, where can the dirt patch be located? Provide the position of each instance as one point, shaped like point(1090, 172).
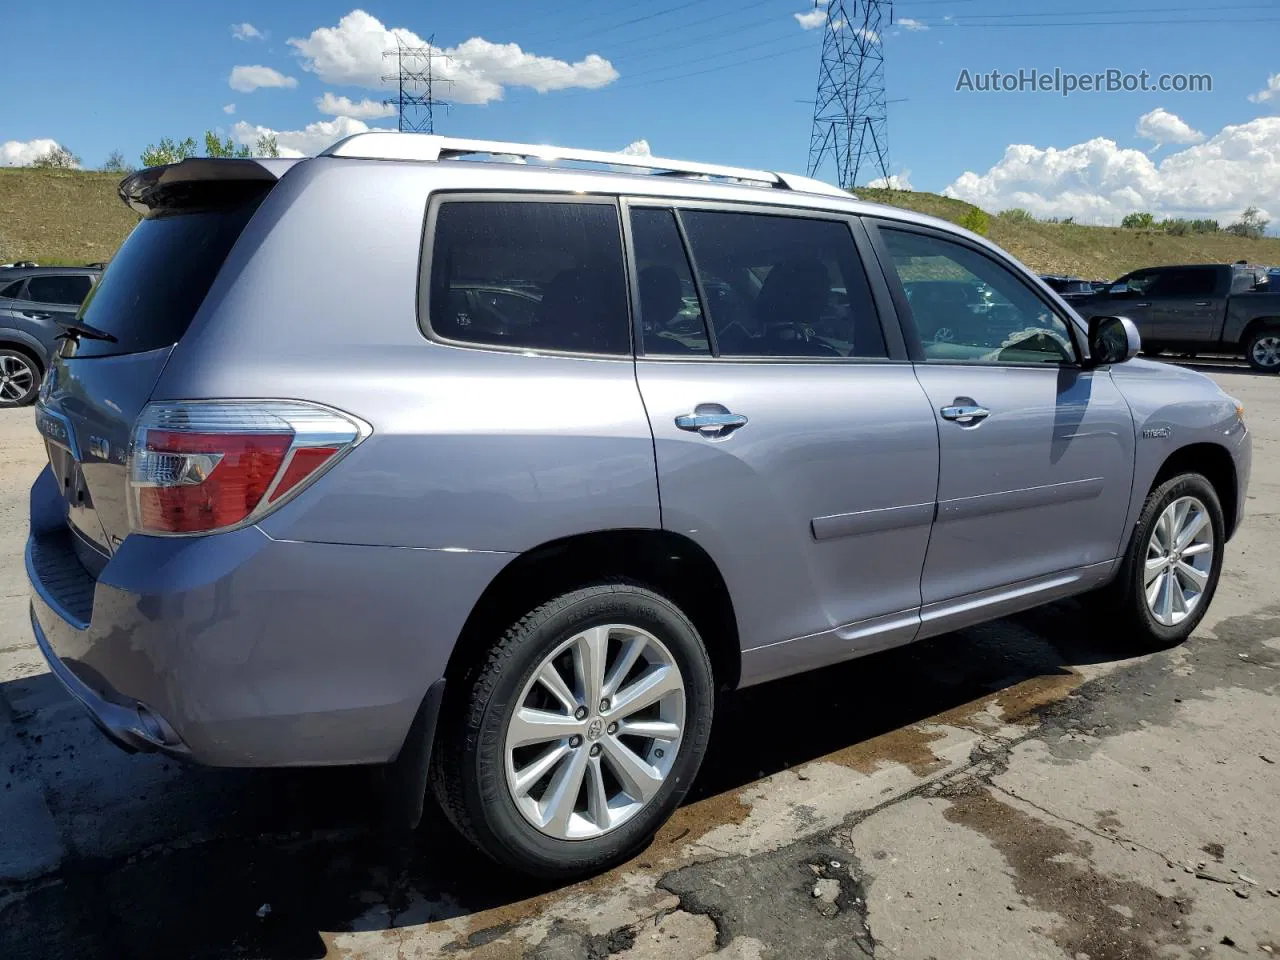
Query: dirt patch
point(908, 746)
point(1215, 850)
point(1102, 916)
point(1018, 704)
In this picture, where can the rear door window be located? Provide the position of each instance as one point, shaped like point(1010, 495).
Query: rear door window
point(68, 290)
point(782, 286)
point(670, 313)
point(537, 274)
point(11, 291)
point(157, 280)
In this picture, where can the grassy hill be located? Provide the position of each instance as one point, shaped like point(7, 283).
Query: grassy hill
point(1091, 252)
point(61, 216)
point(71, 216)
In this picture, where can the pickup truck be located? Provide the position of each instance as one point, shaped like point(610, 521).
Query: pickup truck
point(1214, 308)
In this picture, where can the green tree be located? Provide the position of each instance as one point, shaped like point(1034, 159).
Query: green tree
point(267, 146)
point(214, 147)
point(1251, 225)
point(979, 221)
point(57, 158)
point(1139, 221)
point(115, 163)
point(167, 151)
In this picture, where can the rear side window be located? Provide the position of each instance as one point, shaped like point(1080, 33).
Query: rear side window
point(10, 291)
point(67, 290)
point(670, 315)
point(530, 274)
point(157, 280)
point(1195, 282)
point(779, 286)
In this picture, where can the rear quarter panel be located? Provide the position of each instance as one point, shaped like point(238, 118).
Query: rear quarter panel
point(471, 449)
point(1244, 308)
point(1174, 408)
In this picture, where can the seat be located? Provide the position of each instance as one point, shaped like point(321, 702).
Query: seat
point(792, 299)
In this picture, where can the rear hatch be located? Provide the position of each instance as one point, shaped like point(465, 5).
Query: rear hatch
point(108, 365)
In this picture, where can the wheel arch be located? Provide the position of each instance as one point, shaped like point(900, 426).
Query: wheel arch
point(667, 562)
point(1256, 324)
point(24, 344)
point(1212, 461)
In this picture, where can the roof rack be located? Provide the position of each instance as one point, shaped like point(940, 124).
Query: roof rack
point(391, 145)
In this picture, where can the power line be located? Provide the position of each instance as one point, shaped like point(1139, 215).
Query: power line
point(1234, 22)
point(415, 77)
point(1113, 11)
point(850, 116)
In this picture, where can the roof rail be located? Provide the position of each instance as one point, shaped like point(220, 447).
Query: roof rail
point(391, 145)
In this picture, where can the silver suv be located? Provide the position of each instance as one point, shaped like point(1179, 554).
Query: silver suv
point(501, 470)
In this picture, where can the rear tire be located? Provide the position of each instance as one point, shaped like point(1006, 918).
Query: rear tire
point(579, 815)
point(1170, 571)
point(1262, 349)
point(19, 378)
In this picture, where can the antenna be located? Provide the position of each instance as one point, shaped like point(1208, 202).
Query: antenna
point(415, 76)
point(850, 113)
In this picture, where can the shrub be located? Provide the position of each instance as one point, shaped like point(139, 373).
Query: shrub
point(1017, 215)
point(58, 158)
point(1138, 221)
point(979, 221)
point(1251, 225)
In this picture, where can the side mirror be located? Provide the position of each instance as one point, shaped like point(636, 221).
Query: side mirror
point(1112, 340)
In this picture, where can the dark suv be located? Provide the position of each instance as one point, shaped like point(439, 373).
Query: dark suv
point(32, 301)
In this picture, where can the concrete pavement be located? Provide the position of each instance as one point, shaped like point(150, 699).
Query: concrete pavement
point(1030, 788)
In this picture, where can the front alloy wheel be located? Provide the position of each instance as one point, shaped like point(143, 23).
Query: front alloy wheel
point(1179, 561)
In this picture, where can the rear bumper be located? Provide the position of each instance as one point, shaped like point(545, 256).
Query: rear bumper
point(240, 650)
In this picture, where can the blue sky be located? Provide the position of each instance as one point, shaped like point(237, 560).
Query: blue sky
point(97, 78)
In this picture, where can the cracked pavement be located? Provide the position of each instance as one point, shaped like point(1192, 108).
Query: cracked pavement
point(1025, 789)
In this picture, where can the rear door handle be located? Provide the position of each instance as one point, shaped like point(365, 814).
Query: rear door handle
point(36, 315)
point(1147, 304)
point(1202, 303)
point(965, 414)
point(711, 425)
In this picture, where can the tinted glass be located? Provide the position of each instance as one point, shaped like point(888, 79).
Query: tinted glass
point(545, 276)
point(968, 307)
point(783, 286)
point(68, 291)
point(159, 277)
point(11, 290)
point(1183, 283)
point(670, 314)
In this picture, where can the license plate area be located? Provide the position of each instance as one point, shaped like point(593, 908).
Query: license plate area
point(62, 449)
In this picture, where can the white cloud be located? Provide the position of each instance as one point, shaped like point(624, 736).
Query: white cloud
point(478, 71)
point(1099, 182)
point(868, 35)
point(811, 18)
point(1270, 92)
point(20, 153)
point(907, 23)
point(637, 148)
point(248, 79)
point(366, 109)
point(895, 181)
point(1164, 127)
point(246, 31)
point(229, 108)
point(306, 142)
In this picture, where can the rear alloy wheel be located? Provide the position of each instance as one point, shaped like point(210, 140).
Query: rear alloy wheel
point(19, 379)
point(1263, 350)
point(580, 733)
point(1171, 569)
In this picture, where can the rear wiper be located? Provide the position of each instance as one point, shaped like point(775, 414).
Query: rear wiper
point(75, 329)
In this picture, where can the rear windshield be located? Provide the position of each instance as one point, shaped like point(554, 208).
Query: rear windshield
point(157, 280)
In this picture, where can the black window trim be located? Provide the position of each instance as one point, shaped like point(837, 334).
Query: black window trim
point(895, 343)
point(426, 253)
point(61, 275)
point(906, 319)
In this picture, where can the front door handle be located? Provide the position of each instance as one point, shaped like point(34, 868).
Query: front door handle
point(965, 414)
point(36, 315)
point(1147, 304)
point(711, 421)
point(1202, 303)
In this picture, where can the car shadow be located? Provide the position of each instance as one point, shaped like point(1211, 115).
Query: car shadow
point(160, 859)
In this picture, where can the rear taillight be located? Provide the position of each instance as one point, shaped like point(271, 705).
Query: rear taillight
point(207, 466)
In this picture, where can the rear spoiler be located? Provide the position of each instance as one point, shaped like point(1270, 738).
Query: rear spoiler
point(174, 186)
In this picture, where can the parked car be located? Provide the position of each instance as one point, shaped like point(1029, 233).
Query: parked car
point(34, 301)
point(1069, 288)
point(1214, 308)
point(303, 508)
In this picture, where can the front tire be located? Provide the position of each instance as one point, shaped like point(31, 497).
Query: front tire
point(1170, 572)
point(1263, 350)
point(579, 734)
